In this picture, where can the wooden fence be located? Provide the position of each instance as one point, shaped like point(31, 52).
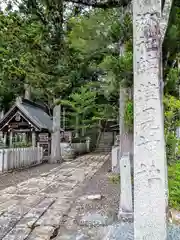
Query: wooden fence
point(16, 158)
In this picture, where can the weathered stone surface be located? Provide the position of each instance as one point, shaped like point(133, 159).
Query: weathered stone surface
point(53, 216)
point(13, 215)
point(9, 190)
point(22, 228)
point(19, 233)
point(74, 236)
point(174, 216)
point(94, 197)
point(42, 233)
point(124, 231)
point(126, 206)
point(37, 206)
point(44, 174)
point(95, 219)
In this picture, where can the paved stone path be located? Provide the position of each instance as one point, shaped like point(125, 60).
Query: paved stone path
point(12, 178)
point(35, 209)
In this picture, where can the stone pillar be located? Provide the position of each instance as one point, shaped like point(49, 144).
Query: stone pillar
point(34, 139)
point(56, 136)
point(149, 148)
point(114, 159)
point(122, 101)
point(126, 207)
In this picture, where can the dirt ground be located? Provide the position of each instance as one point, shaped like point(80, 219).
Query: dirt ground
point(107, 206)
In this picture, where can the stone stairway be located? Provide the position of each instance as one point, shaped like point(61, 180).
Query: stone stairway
point(105, 143)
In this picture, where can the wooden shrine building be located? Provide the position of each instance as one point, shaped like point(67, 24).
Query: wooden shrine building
point(28, 123)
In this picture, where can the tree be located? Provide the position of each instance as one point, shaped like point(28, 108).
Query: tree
point(83, 103)
point(150, 25)
point(103, 4)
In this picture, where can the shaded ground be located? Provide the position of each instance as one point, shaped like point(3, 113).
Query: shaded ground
point(34, 209)
point(15, 177)
point(97, 219)
point(100, 184)
point(74, 227)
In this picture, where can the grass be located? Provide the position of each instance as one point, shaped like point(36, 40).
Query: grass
point(115, 178)
point(174, 185)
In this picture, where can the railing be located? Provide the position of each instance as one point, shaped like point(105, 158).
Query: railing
point(16, 158)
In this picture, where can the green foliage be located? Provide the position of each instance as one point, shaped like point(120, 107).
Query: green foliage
point(174, 185)
point(173, 82)
point(115, 178)
point(21, 144)
point(171, 122)
point(2, 145)
point(128, 116)
point(81, 103)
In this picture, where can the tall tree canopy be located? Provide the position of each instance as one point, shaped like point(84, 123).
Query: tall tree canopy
point(59, 46)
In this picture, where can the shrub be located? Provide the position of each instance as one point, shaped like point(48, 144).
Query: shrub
point(115, 178)
point(128, 115)
point(174, 185)
point(171, 107)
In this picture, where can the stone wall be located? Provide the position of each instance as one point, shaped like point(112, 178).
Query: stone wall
point(69, 151)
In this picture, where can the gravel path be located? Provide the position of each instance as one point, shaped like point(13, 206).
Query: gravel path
point(100, 184)
point(107, 207)
point(34, 209)
point(95, 227)
point(15, 177)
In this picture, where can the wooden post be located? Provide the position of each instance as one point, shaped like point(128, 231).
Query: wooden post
point(1, 117)
point(10, 138)
point(34, 139)
point(55, 142)
point(5, 138)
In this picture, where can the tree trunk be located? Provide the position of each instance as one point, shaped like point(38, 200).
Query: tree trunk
point(64, 119)
point(77, 126)
point(149, 147)
point(27, 94)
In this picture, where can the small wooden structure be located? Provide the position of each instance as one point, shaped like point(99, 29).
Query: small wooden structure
point(27, 122)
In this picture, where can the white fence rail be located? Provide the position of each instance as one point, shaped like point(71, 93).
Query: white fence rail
point(15, 158)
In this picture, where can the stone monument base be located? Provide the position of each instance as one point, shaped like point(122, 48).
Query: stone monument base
point(125, 216)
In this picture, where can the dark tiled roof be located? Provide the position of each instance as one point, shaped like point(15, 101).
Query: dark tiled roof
point(34, 112)
point(38, 116)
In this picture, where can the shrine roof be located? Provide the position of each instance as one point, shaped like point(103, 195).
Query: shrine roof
point(34, 112)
